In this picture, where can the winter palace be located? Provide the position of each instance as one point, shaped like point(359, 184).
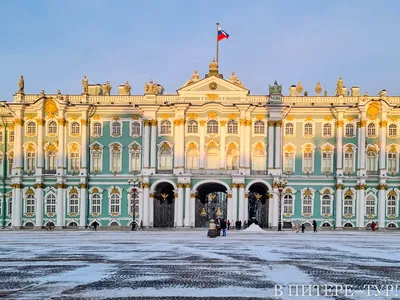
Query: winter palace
point(210, 150)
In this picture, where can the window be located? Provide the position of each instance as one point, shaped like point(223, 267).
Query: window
point(259, 127)
point(51, 160)
point(116, 129)
point(212, 158)
point(372, 161)
point(133, 203)
point(348, 205)
point(165, 157)
point(31, 128)
point(327, 131)
point(97, 160)
point(370, 205)
point(96, 203)
point(1, 136)
point(307, 204)
point(75, 129)
point(9, 206)
point(307, 162)
point(165, 127)
point(289, 162)
point(30, 204)
point(10, 163)
point(75, 161)
point(392, 130)
point(326, 162)
point(11, 137)
point(192, 159)
point(135, 129)
point(326, 205)
point(52, 128)
point(97, 129)
point(288, 204)
point(232, 127)
point(391, 205)
point(349, 130)
point(50, 204)
point(212, 127)
point(289, 130)
point(193, 127)
point(392, 162)
point(348, 162)
point(114, 204)
point(371, 130)
point(74, 204)
point(259, 161)
point(308, 129)
point(116, 160)
point(30, 161)
point(135, 159)
point(232, 159)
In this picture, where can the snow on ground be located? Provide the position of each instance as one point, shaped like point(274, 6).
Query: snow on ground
point(175, 264)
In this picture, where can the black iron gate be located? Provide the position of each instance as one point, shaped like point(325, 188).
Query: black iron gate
point(258, 209)
point(164, 212)
point(213, 206)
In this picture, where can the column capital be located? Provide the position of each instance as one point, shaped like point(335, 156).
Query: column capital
point(271, 123)
point(339, 123)
point(361, 186)
point(383, 123)
point(382, 187)
point(188, 185)
point(61, 122)
point(83, 122)
point(38, 186)
point(222, 123)
point(153, 122)
point(61, 186)
point(83, 186)
point(145, 185)
point(202, 122)
point(278, 123)
point(19, 121)
point(340, 186)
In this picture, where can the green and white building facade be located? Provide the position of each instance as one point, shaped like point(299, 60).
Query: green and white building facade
point(211, 150)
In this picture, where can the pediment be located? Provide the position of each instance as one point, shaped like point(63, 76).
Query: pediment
point(212, 84)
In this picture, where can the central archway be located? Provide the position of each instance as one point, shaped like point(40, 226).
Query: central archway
point(258, 204)
point(164, 204)
point(210, 203)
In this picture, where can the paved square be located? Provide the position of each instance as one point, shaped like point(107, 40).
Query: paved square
point(188, 265)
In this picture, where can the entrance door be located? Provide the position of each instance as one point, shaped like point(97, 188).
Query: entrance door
point(258, 205)
point(163, 212)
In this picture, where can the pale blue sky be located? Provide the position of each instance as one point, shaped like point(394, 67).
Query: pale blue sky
point(54, 43)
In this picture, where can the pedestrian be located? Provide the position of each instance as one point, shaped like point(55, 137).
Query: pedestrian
point(223, 227)
point(240, 224)
point(303, 227)
point(297, 226)
point(245, 224)
point(141, 224)
point(314, 224)
point(228, 224)
point(373, 226)
point(237, 224)
point(95, 226)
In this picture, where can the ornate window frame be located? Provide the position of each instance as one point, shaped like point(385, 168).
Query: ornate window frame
point(390, 149)
point(332, 135)
point(289, 148)
point(92, 129)
point(254, 123)
point(349, 148)
point(286, 135)
point(116, 134)
point(307, 192)
point(188, 123)
point(9, 206)
point(218, 127)
point(48, 148)
point(354, 130)
point(192, 146)
point(48, 133)
point(11, 136)
point(376, 128)
point(159, 149)
point(131, 124)
point(47, 192)
point(327, 148)
point(95, 191)
point(324, 192)
point(393, 136)
point(289, 191)
point(29, 192)
point(395, 193)
point(259, 146)
point(74, 148)
point(114, 147)
point(375, 149)
point(115, 190)
point(30, 147)
point(135, 148)
point(170, 125)
point(349, 192)
point(371, 193)
point(96, 147)
point(235, 147)
point(1, 136)
point(74, 134)
point(10, 161)
point(27, 127)
point(232, 124)
point(308, 148)
point(305, 135)
point(207, 147)
point(70, 192)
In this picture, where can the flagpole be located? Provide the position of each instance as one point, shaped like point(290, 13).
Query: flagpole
point(216, 59)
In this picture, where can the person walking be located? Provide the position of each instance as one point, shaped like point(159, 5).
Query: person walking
point(303, 227)
point(95, 226)
point(297, 226)
point(373, 226)
point(141, 224)
point(228, 224)
point(223, 227)
point(314, 224)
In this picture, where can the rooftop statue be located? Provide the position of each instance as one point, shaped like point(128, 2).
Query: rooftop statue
point(153, 88)
point(275, 89)
point(21, 85)
point(195, 77)
point(107, 88)
point(236, 80)
point(318, 89)
point(299, 88)
point(85, 85)
point(339, 87)
point(127, 88)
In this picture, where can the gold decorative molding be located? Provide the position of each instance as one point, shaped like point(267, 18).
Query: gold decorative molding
point(361, 186)
point(234, 185)
point(74, 118)
point(153, 122)
point(289, 118)
point(192, 195)
point(115, 191)
point(339, 123)
point(179, 122)
point(328, 118)
point(61, 122)
point(179, 185)
point(259, 117)
point(247, 123)
point(116, 118)
point(17, 186)
point(73, 191)
point(223, 123)
point(188, 185)
point(61, 186)
point(373, 110)
point(363, 123)
point(309, 118)
point(242, 122)
point(212, 97)
point(83, 122)
point(145, 185)
point(18, 121)
point(83, 186)
point(146, 123)
point(307, 192)
point(212, 114)
point(229, 196)
point(50, 107)
point(192, 116)
point(382, 187)
point(232, 116)
point(213, 85)
point(165, 116)
point(350, 119)
point(383, 123)
point(95, 191)
point(278, 123)
point(202, 122)
point(340, 186)
point(30, 192)
point(271, 123)
point(246, 195)
point(96, 117)
point(135, 117)
point(38, 186)
point(176, 195)
point(241, 185)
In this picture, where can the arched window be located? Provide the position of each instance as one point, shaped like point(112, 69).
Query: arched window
point(96, 204)
point(349, 159)
point(212, 158)
point(115, 159)
point(116, 129)
point(52, 128)
point(349, 130)
point(348, 205)
point(30, 160)
point(370, 204)
point(74, 160)
point(259, 161)
point(165, 127)
point(193, 127)
point(307, 204)
point(232, 127)
point(327, 131)
point(259, 127)
point(308, 129)
point(50, 204)
point(232, 158)
point(372, 160)
point(115, 204)
point(165, 157)
point(392, 130)
point(97, 129)
point(9, 206)
point(371, 130)
point(326, 204)
point(75, 129)
point(74, 204)
point(212, 127)
point(51, 160)
point(135, 129)
point(30, 204)
point(192, 159)
point(31, 128)
point(288, 204)
point(289, 130)
point(391, 205)
point(136, 162)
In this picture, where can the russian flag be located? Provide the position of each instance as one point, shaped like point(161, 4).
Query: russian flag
point(222, 34)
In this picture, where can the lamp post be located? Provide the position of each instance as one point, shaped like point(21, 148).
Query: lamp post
point(280, 184)
point(135, 183)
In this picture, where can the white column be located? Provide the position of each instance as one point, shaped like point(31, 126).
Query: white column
point(140, 196)
point(270, 209)
point(339, 146)
point(246, 206)
point(361, 146)
point(187, 220)
point(151, 210)
point(202, 144)
point(61, 143)
point(278, 145)
point(40, 150)
point(275, 210)
point(17, 206)
point(192, 208)
point(222, 157)
point(382, 206)
point(179, 219)
point(176, 209)
point(18, 151)
point(241, 203)
point(182, 144)
point(83, 205)
point(271, 144)
point(361, 208)
point(247, 149)
point(229, 206)
point(146, 145)
point(242, 160)
point(39, 204)
point(382, 147)
point(84, 145)
point(153, 147)
point(146, 194)
point(234, 203)
point(338, 203)
point(177, 139)
point(60, 208)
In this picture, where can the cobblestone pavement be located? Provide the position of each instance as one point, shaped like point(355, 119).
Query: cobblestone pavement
point(188, 265)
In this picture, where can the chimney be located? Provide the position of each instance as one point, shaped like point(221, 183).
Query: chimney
point(355, 91)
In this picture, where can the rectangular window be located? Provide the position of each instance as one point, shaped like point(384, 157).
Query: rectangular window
point(326, 205)
point(30, 205)
point(96, 205)
point(348, 162)
point(307, 162)
point(97, 161)
point(74, 204)
point(75, 161)
point(348, 206)
point(288, 204)
point(116, 161)
point(307, 205)
point(326, 161)
point(10, 165)
point(391, 206)
point(52, 162)
point(135, 161)
point(31, 161)
point(392, 162)
point(289, 162)
point(9, 206)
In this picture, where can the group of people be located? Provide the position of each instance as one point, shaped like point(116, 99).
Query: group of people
point(303, 227)
point(217, 226)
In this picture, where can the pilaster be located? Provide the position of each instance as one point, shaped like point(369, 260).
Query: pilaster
point(222, 157)
point(16, 205)
point(381, 205)
point(339, 145)
point(83, 204)
point(247, 148)
point(146, 145)
point(60, 208)
point(39, 203)
point(202, 123)
point(241, 203)
point(235, 214)
point(153, 147)
point(84, 144)
point(61, 169)
point(382, 145)
point(339, 202)
point(278, 144)
point(360, 205)
point(146, 201)
point(271, 145)
point(187, 222)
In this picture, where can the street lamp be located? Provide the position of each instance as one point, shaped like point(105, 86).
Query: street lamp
point(280, 184)
point(134, 194)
